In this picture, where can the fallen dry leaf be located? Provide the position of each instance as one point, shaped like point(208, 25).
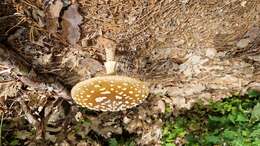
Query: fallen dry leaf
point(103, 42)
point(70, 24)
point(152, 135)
point(54, 13)
point(160, 106)
point(55, 9)
point(10, 89)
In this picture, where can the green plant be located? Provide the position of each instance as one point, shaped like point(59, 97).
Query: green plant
point(233, 121)
point(121, 142)
point(16, 131)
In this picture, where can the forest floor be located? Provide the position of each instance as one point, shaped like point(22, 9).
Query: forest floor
point(188, 51)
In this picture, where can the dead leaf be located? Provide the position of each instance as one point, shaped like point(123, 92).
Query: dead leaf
point(103, 42)
point(44, 59)
point(54, 13)
point(55, 9)
point(50, 137)
point(38, 16)
point(23, 134)
point(10, 89)
point(70, 24)
point(181, 102)
point(152, 135)
point(160, 106)
point(134, 125)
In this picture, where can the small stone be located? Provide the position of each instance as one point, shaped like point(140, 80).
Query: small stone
point(161, 106)
point(211, 52)
point(243, 3)
point(184, 1)
point(126, 120)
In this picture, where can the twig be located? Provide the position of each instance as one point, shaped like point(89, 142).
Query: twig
point(6, 17)
point(16, 25)
point(1, 125)
point(5, 71)
point(31, 119)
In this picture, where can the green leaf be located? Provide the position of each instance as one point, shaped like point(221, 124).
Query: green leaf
point(228, 121)
point(256, 113)
point(130, 144)
point(14, 142)
point(253, 93)
point(232, 118)
point(238, 142)
point(241, 117)
point(170, 144)
point(255, 133)
point(211, 139)
point(230, 135)
point(256, 142)
point(113, 142)
point(23, 134)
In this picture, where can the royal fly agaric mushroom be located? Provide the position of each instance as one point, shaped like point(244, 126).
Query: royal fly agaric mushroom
point(109, 92)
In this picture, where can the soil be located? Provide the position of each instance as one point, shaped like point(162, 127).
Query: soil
point(186, 50)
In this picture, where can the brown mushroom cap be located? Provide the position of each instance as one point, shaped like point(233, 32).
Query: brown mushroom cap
point(110, 93)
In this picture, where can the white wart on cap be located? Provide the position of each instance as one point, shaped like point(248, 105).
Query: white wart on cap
point(110, 93)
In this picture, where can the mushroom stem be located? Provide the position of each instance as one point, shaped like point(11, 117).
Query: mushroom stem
point(110, 67)
point(110, 63)
point(110, 54)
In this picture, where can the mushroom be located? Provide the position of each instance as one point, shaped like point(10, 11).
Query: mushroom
point(109, 92)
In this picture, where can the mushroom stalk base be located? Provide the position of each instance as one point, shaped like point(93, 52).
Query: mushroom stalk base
point(110, 67)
